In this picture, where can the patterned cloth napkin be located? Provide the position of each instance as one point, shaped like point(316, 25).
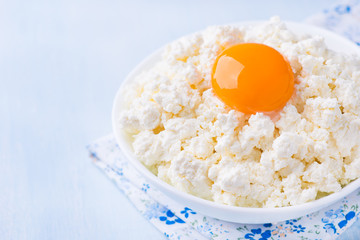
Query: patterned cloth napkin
point(180, 222)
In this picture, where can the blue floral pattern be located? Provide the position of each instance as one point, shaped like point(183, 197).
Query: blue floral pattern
point(342, 18)
point(154, 210)
point(187, 211)
point(298, 229)
point(343, 9)
point(350, 215)
point(170, 218)
point(145, 187)
point(335, 219)
point(258, 234)
point(291, 221)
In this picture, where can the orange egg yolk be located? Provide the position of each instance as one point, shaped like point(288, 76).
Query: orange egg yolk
point(252, 77)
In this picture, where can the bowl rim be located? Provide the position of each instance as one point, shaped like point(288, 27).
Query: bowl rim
point(125, 145)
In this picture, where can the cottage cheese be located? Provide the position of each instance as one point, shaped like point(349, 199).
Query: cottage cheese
point(191, 140)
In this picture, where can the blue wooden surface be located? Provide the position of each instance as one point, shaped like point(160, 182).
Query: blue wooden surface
point(61, 63)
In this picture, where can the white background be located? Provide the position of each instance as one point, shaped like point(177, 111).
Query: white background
point(61, 63)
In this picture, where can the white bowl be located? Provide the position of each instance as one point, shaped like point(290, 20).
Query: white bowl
point(217, 210)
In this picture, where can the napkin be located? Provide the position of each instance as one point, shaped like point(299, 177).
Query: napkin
point(176, 221)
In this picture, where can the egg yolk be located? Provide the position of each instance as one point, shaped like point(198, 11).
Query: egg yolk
point(252, 77)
